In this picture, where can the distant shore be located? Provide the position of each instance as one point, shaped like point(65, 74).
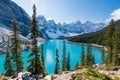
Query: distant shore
point(100, 46)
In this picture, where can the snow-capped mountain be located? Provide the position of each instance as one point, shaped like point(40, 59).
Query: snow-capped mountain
point(5, 36)
point(9, 11)
point(49, 29)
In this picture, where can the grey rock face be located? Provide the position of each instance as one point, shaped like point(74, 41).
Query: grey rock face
point(9, 11)
point(50, 29)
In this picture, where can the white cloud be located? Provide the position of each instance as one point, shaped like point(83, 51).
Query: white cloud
point(114, 15)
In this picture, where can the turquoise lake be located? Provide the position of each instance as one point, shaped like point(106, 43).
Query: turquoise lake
point(50, 54)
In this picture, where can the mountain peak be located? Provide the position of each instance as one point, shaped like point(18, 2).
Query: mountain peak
point(88, 22)
point(41, 17)
point(51, 21)
point(53, 30)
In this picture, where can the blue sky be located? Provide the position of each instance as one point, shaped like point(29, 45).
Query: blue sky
point(74, 10)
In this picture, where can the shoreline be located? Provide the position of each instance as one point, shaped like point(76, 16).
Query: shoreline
point(96, 45)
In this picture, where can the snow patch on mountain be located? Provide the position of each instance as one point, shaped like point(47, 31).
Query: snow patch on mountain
point(9, 11)
point(50, 29)
point(5, 36)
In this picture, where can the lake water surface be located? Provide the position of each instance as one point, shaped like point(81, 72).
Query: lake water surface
point(50, 54)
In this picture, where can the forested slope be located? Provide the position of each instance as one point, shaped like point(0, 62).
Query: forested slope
point(98, 37)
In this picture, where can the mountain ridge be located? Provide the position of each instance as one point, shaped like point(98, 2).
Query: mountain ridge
point(56, 30)
point(49, 29)
point(9, 11)
point(94, 37)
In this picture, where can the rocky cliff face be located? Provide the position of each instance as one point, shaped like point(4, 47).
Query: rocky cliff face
point(50, 29)
point(9, 11)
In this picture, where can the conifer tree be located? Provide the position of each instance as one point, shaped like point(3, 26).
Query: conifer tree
point(42, 54)
point(35, 67)
point(16, 49)
point(89, 58)
point(77, 65)
point(68, 62)
point(8, 65)
point(116, 50)
point(110, 40)
point(93, 60)
point(103, 55)
point(42, 59)
point(63, 56)
point(88, 55)
point(57, 63)
point(82, 56)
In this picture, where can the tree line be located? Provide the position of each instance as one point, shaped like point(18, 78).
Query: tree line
point(108, 37)
point(13, 62)
point(86, 59)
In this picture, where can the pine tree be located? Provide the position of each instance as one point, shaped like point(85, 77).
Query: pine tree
point(63, 56)
point(82, 56)
point(35, 67)
point(77, 65)
point(110, 40)
point(103, 55)
point(68, 62)
point(42, 59)
point(16, 49)
point(116, 50)
point(42, 54)
point(57, 63)
point(8, 65)
point(89, 57)
point(93, 60)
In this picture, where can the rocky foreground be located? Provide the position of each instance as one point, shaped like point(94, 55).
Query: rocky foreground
point(99, 72)
point(113, 73)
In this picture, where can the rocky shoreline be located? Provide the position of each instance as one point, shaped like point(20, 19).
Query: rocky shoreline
point(113, 73)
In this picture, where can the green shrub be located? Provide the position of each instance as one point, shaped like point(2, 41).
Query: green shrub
point(78, 79)
point(117, 78)
point(93, 75)
point(4, 79)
